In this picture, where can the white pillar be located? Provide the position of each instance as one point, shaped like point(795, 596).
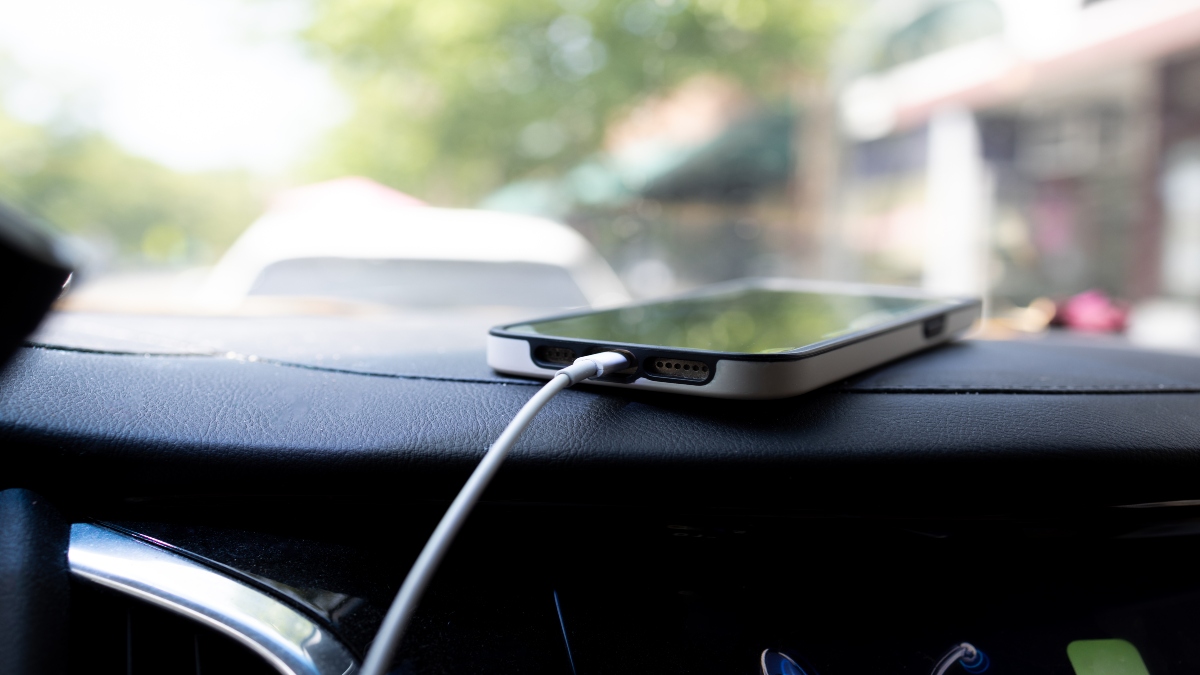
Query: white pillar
point(958, 206)
point(1180, 189)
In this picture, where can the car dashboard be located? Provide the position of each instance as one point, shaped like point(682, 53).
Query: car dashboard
point(254, 506)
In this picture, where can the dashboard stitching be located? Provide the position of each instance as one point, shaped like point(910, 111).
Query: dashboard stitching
point(1067, 390)
point(285, 364)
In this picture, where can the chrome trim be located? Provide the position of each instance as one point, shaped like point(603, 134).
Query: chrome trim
point(1161, 505)
point(287, 639)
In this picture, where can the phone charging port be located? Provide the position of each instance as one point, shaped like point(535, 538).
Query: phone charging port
point(684, 370)
point(934, 327)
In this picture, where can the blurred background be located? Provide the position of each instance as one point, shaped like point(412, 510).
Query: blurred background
point(1044, 154)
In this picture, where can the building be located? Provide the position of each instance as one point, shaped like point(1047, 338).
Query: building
point(1020, 148)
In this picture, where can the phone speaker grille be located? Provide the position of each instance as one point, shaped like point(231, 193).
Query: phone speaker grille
point(684, 370)
point(556, 355)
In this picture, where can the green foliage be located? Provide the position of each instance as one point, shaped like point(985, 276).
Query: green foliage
point(456, 97)
point(82, 184)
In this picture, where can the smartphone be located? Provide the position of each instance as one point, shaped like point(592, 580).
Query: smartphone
point(751, 339)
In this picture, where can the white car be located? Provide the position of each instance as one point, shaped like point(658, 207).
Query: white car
point(352, 240)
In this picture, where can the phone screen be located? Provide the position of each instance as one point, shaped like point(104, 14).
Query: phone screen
point(747, 321)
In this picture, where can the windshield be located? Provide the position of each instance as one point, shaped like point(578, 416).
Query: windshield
point(246, 157)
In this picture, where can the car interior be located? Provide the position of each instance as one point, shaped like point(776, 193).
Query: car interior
point(197, 491)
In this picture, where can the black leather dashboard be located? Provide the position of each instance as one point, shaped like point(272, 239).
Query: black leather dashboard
point(992, 425)
point(965, 493)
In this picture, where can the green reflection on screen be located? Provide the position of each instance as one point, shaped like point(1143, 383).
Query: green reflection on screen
point(751, 321)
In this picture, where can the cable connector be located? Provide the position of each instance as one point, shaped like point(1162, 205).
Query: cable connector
point(596, 365)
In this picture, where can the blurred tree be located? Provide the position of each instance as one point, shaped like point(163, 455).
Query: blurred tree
point(456, 97)
point(82, 184)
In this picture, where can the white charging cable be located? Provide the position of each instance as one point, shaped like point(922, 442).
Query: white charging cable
point(398, 616)
point(973, 661)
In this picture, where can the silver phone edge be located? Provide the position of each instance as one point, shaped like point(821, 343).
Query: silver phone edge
point(762, 380)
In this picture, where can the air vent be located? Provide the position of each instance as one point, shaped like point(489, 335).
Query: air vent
point(286, 639)
point(112, 634)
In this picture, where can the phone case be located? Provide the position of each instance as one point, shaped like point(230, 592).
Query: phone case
point(738, 375)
